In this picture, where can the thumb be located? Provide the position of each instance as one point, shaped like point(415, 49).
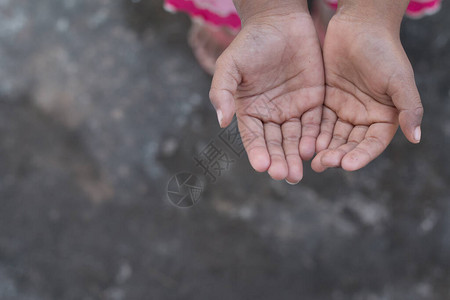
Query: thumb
point(407, 100)
point(224, 85)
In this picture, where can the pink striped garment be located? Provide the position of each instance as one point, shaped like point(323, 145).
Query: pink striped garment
point(223, 12)
point(416, 8)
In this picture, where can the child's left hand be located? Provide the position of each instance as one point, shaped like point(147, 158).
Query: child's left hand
point(370, 91)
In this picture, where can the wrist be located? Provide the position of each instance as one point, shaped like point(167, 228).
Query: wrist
point(386, 14)
point(250, 10)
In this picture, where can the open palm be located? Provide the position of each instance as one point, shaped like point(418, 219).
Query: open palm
point(272, 77)
point(370, 90)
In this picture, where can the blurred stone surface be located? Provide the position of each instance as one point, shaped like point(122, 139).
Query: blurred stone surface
point(102, 102)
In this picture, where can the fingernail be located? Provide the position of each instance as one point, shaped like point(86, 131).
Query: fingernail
point(291, 183)
point(417, 133)
point(219, 117)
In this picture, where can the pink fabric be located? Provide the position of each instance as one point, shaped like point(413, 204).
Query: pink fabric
point(421, 8)
point(217, 12)
point(223, 13)
point(416, 8)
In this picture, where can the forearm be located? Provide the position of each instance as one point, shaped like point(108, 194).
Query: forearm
point(388, 13)
point(249, 9)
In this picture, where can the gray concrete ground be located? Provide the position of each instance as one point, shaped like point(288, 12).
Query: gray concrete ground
point(101, 102)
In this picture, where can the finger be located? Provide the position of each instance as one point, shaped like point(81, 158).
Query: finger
point(278, 169)
point(341, 133)
point(316, 163)
point(376, 140)
point(252, 135)
point(291, 140)
point(407, 100)
point(329, 119)
point(333, 158)
point(310, 126)
point(223, 87)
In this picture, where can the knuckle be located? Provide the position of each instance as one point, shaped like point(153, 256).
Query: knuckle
point(419, 111)
point(213, 94)
point(291, 138)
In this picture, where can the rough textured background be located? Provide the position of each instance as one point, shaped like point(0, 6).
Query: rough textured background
point(101, 102)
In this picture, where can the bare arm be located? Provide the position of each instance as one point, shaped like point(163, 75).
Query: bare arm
point(386, 12)
point(249, 9)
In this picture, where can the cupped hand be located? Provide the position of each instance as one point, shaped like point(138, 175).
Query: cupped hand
point(370, 91)
point(272, 77)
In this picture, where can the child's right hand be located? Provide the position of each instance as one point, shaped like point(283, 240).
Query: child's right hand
point(272, 77)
